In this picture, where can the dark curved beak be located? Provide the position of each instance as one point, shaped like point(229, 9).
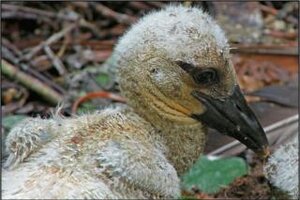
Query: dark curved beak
point(232, 116)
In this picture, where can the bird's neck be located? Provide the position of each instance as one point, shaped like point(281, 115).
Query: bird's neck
point(184, 144)
point(183, 137)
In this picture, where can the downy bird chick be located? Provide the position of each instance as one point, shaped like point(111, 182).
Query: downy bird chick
point(175, 71)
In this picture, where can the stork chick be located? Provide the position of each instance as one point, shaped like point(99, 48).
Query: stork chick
point(175, 71)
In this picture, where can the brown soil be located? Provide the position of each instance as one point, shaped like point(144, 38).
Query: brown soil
point(251, 186)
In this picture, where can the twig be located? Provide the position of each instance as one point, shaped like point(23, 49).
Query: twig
point(22, 15)
point(116, 30)
point(278, 14)
point(7, 54)
point(34, 13)
point(41, 63)
point(266, 49)
point(139, 5)
point(281, 34)
point(55, 60)
point(11, 47)
point(55, 37)
point(80, 4)
point(156, 4)
point(289, 7)
point(31, 83)
point(268, 9)
point(14, 58)
point(98, 44)
point(45, 79)
point(107, 12)
point(92, 27)
point(64, 46)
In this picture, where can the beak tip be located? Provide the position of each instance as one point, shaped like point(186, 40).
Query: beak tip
point(264, 153)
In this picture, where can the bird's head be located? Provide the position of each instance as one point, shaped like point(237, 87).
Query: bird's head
point(174, 65)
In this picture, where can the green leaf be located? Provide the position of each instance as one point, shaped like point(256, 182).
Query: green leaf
point(209, 175)
point(102, 79)
point(86, 107)
point(8, 122)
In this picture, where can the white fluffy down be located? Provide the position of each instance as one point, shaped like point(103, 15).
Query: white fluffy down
point(170, 31)
point(282, 168)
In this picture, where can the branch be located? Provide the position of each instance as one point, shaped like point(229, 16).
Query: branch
point(55, 60)
point(31, 83)
point(32, 13)
point(12, 55)
point(55, 37)
point(265, 49)
point(119, 17)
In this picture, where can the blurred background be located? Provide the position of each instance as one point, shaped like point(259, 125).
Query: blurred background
point(59, 52)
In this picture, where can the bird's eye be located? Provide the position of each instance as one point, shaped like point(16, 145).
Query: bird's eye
point(201, 76)
point(206, 76)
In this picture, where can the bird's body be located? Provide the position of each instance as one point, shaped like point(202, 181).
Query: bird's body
point(80, 157)
point(166, 62)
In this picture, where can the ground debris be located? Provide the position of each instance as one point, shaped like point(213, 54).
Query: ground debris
point(254, 185)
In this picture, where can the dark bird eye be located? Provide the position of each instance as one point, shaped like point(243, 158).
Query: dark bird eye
point(201, 76)
point(206, 76)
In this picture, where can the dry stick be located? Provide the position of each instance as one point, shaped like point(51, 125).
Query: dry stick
point(80, 4)
point(31, 83)
point(268, 9)
point(281, 34)
point(7, 54)
point(55, 60)
point(57, 36)
point(13, 57)
point(33, 11)
point(275, 12)
point(107, 12)
point(92, 27)
point(287, 51)
point(11, 47)
point(49, 41)
point(265, 49)
point(86, 24)
point(64, 45)
point(42, 78)
point(139, 5)
point(23, 15)
point(156, 4)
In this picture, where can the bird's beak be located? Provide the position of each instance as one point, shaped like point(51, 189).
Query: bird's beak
point(233, 117)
